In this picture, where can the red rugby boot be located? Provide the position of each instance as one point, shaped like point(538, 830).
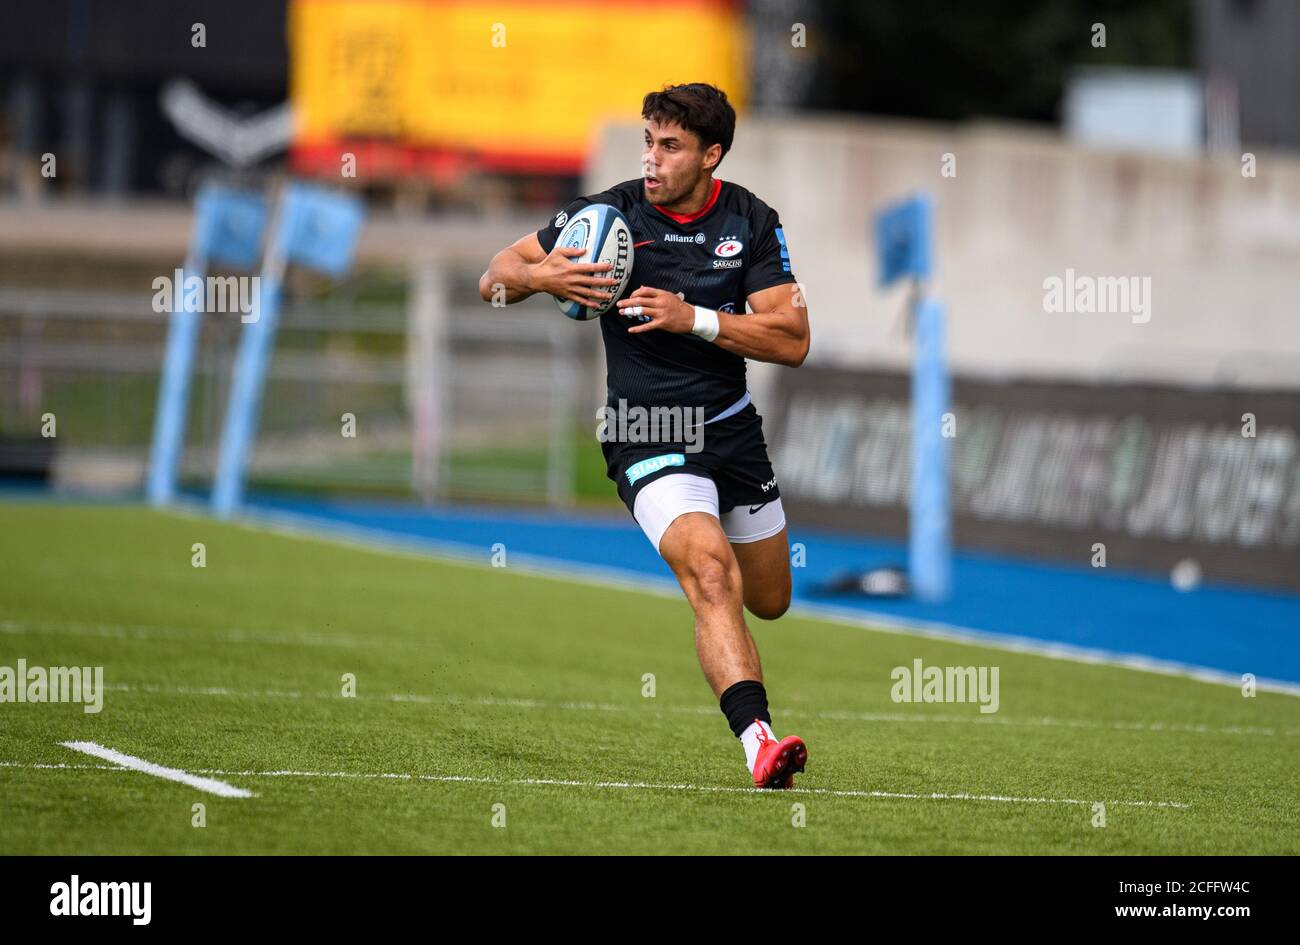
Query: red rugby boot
point(778, 761)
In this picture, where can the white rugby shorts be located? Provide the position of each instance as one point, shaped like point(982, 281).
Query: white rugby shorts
point(660, 503)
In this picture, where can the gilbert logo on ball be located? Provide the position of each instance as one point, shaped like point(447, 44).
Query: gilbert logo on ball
point(603, 233)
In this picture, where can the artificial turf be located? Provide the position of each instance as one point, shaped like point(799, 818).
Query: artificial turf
point(481, 686)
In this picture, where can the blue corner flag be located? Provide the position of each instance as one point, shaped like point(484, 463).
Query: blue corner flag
point(905, 249)
point(319, 228)
point(929, 559)
point(316, 228)
point(228, 227)
point(904, 233)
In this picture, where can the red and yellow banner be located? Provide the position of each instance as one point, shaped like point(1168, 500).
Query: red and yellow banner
point(419, 84)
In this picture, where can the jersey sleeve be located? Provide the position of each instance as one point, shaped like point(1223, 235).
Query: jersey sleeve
point(769, 264)
point(549, 233)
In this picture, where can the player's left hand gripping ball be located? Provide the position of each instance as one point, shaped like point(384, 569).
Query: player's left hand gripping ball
point(664, 309)
point(602, 232)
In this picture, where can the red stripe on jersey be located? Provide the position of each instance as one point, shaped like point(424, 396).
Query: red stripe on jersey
point(688, 217)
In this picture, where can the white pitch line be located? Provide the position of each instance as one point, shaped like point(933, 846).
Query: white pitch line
point(210, 785)
point(1185, 728)
point(698, 788)
point(326, 531)
point(153, 689)
point(311, 528)
point(636, 786)
point(19, 764)
point(180, 634)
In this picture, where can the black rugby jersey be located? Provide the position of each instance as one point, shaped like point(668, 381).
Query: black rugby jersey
point(732, 247)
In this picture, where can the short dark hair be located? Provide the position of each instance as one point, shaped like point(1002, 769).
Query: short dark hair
point(697, 107)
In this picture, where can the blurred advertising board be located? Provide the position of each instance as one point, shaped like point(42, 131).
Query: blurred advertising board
point(431, 87)
point(1158, 475)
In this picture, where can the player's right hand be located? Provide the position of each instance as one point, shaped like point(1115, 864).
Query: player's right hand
point(576, 282)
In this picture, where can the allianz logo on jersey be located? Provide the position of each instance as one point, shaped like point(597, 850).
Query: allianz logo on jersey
point(679, 238)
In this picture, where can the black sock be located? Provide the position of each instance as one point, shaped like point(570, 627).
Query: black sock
point(743, 702)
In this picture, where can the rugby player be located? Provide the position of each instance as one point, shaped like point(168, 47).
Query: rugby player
point(704, 248)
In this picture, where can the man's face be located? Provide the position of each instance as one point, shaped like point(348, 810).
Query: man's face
point(672, 162)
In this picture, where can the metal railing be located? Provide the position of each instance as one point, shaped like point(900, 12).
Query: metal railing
point(447, 395)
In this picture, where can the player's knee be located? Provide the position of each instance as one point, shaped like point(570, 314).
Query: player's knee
point(771, 603)
point(714, 580)
point(770, 609)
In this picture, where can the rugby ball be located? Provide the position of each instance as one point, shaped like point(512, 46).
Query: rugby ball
point(604, 235)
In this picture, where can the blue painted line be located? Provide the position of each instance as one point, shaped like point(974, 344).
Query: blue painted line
point(1228, 629)
point(1071, 611)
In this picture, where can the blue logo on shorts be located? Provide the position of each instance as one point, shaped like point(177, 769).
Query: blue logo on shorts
point(653, 464)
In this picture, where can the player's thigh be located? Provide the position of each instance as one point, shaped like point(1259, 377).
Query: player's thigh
point(695, 547)
point(658, 504)
point(754, 520)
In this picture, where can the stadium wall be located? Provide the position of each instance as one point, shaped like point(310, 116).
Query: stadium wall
point(1221, 250)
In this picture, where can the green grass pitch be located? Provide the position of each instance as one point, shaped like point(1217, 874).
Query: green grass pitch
point(478, 687)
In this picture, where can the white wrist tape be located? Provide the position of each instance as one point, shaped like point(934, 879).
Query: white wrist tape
point(706, 323)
